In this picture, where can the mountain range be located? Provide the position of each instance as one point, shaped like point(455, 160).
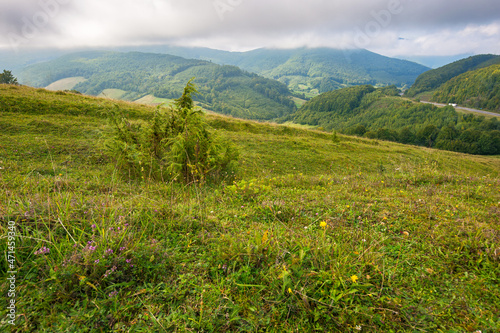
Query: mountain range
point(310, 70)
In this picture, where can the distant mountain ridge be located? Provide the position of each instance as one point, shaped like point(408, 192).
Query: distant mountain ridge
point(310, 70)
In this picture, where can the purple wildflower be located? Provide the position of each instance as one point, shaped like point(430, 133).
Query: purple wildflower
point(43, 250)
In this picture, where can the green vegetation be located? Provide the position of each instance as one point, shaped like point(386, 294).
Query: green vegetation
point(433, 79)
point(175, 144)
point(223, 89)
point(315, 234)
point(7, 78)
point(478, 89)
point(311, 71)
point(382, 114)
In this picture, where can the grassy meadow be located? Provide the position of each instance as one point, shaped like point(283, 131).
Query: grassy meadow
point(313, 233)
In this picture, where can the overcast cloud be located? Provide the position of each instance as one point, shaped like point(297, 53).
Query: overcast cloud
point(390, 27)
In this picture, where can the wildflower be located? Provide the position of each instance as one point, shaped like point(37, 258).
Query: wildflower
point(109, 251)
point(122, 248)
point(97, 261)
point(43, 250)
point(113, 294)
point(128, 261)
point(322, 224)
point(358, 327)
point(290, 291)
point(354, 278)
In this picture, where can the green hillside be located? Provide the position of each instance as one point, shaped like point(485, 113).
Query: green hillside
point(314, 234)
point(478, 89)
point(382, 114)
point(433, 79)
point(310, 71)
point(224, 89)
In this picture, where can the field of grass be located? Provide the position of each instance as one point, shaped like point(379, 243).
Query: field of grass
point(65, 84)
point(112, 93)
point(314, 232)
point(152, 100)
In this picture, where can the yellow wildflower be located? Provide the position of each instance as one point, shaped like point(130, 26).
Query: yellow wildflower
point(354, 278)
point(322, 224)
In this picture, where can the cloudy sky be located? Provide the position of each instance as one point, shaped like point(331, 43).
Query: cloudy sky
point(389, 27)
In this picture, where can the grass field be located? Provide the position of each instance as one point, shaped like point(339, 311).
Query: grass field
point(152, 100)
point(314, 232)
point(112, 93)
point(65, 84)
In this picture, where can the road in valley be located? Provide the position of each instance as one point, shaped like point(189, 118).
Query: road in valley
point(465, 109)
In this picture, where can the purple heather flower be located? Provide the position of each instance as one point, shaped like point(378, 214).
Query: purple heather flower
point(97, 261)
point(128, 261)
point(94, 226)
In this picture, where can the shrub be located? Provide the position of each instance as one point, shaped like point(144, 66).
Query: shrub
point(175, 144)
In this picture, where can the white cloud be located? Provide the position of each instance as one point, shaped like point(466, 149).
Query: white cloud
point(428, 26)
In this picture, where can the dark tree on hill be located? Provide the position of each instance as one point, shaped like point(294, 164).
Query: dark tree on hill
point(7, 78)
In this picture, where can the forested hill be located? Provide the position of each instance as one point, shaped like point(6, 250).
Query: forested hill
point(383, 114)
point(311, 70)
point(224, 89)
point(433, 79)
point(478, 89)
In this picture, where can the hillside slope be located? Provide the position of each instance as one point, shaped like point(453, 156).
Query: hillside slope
point(381, 113)
point(316, 233)
point(478, 89)
point(223, 89)
point(433, 79)
point(310, 70)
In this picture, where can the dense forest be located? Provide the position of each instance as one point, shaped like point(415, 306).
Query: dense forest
point(382, 114)
point(478, 89)
point(433, 79)
point(224, 89)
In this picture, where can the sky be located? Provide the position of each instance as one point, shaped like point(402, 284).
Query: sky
point(389, 27)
